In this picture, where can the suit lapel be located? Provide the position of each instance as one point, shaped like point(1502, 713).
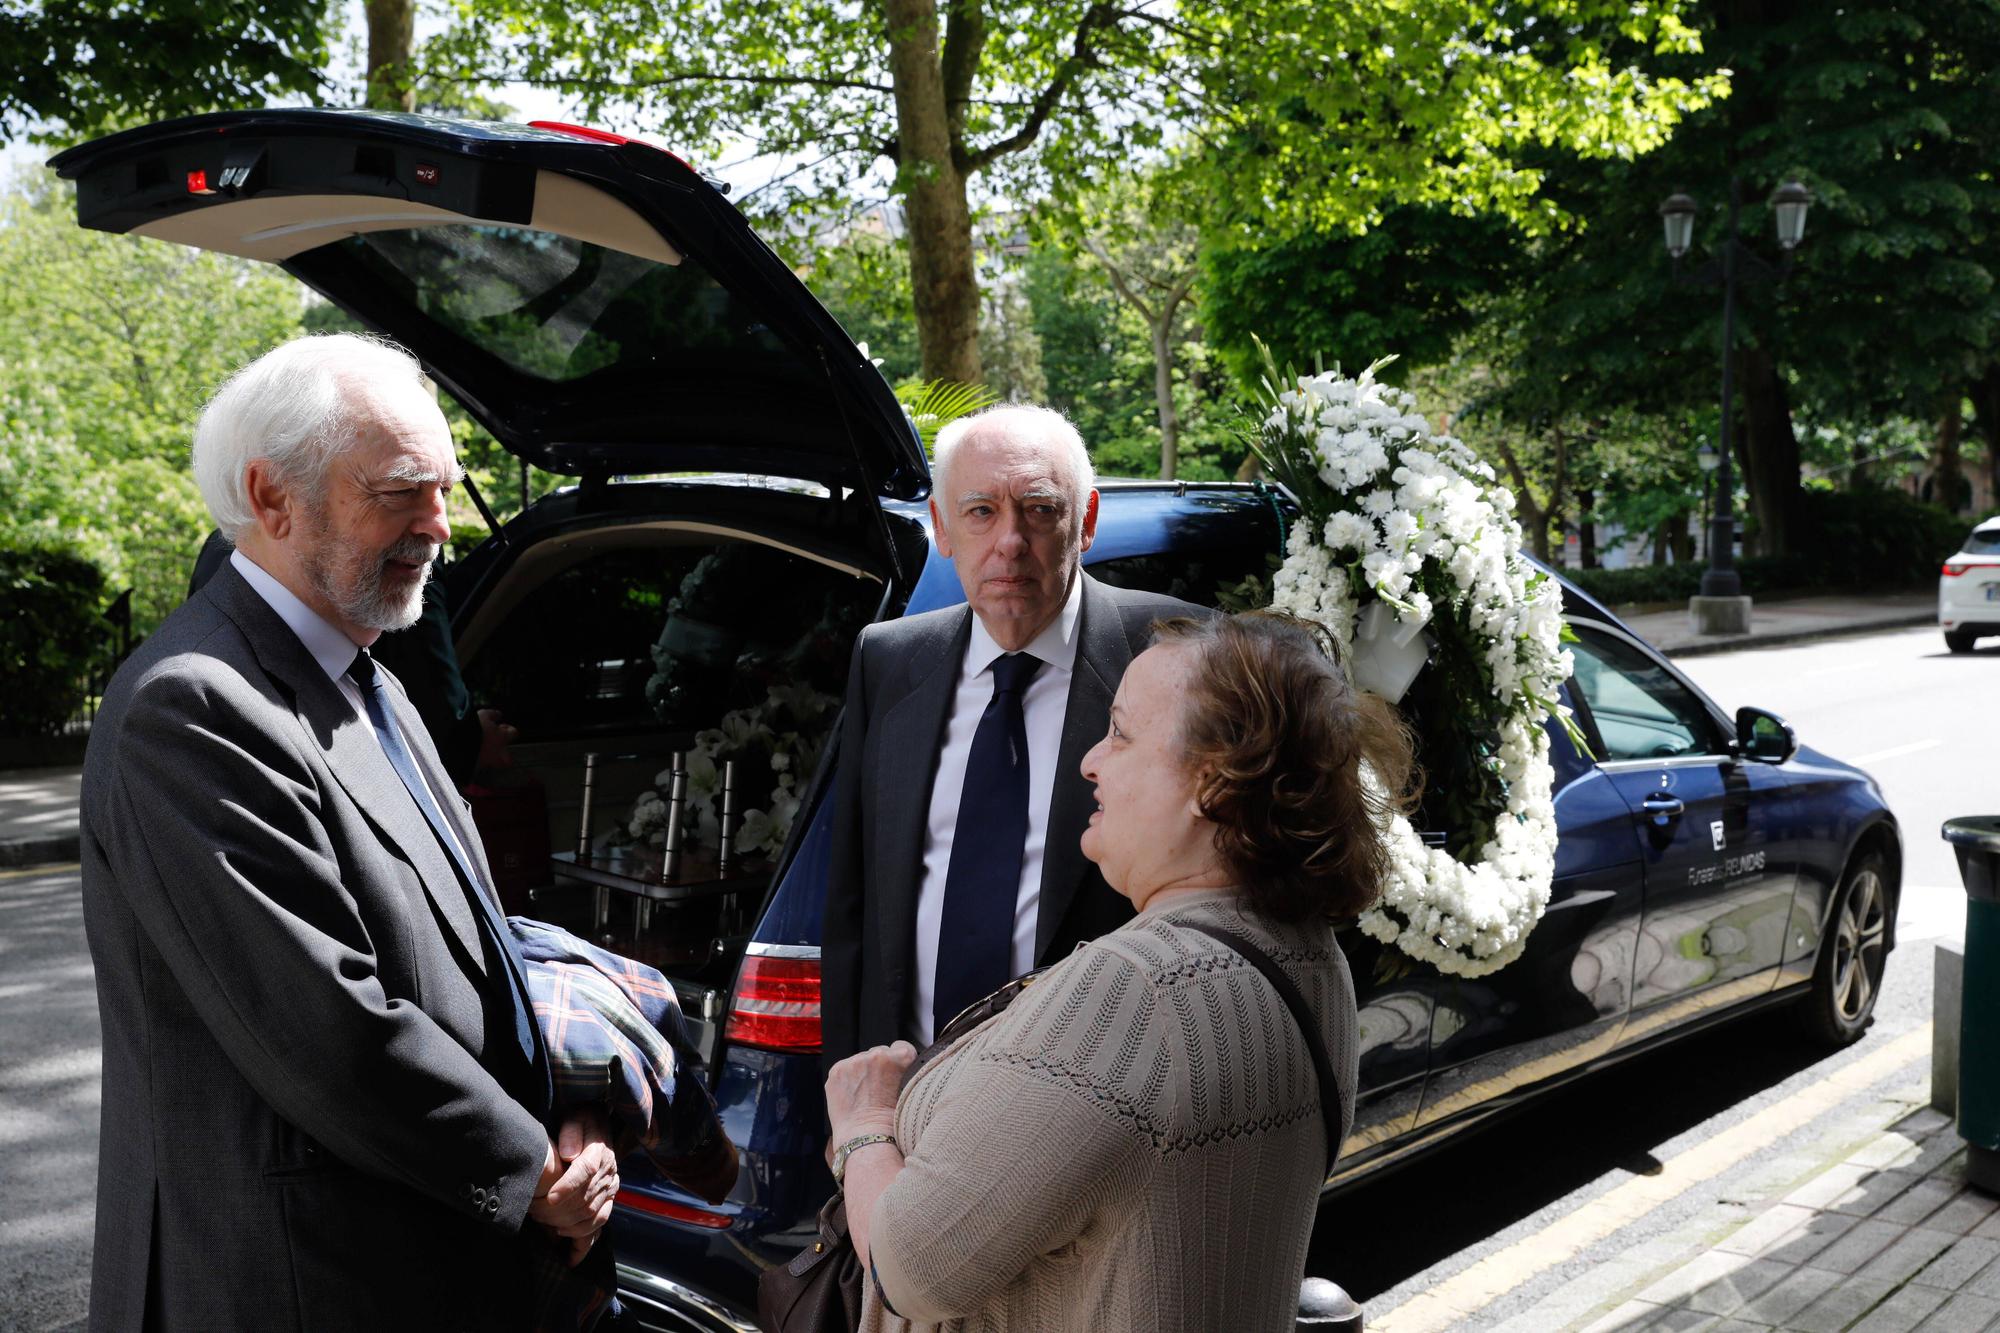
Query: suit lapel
point(1102, 654)
point(353, 753)
point(912, 732)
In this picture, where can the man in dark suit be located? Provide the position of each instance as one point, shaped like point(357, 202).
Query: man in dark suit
point(325, 1093)
point(959, 805)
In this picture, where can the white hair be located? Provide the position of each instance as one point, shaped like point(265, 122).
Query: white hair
point(296, 406)
point(1023, 423)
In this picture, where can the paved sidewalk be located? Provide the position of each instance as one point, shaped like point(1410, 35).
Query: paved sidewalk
point(38, 815)
point(1889, 1240)
point(1774, 622)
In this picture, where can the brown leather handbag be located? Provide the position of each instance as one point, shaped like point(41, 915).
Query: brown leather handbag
point(820, 1289)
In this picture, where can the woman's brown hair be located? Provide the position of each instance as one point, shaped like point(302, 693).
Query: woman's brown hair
point(1276, 735)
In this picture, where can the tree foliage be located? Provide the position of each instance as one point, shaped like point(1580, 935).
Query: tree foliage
point(89, 66)
point(113, 344)
point(1327, 115)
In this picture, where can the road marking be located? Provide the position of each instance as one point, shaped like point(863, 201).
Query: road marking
point(1465, 1293)
point(59, 869)
point(1896, 752)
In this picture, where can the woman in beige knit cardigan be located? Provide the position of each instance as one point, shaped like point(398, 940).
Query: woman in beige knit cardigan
point(1137, 1142)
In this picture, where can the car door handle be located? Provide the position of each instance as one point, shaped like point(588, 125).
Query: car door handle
point(1662, 806)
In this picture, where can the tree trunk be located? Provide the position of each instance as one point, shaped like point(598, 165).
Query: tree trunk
point(942, 281)
point(1986, 417)
point(1769, 453)
point(1163, 394)
point(1947, 467)
point(1586, 529)
point(392, 32)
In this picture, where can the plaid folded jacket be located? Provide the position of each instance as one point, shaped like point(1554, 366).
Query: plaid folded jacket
point(616, 1040)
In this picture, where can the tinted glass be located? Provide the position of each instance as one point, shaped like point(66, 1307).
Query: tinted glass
point(554, 307)
point(1232, 577)
point(1983, 543)
point(669, 638)
point(1641, 710)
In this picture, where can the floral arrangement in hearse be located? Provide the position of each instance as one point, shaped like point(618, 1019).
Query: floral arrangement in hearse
point(1408, 553)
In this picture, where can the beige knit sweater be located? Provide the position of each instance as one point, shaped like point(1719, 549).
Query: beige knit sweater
point(1136, 1144)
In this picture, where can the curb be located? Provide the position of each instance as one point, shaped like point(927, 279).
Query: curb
point(1741, 641)
point(54, 848)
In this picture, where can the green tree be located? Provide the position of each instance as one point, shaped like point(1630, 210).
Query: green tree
point(1889, 114)
point(1349, 107)
point(89, 66)
point(113, 343)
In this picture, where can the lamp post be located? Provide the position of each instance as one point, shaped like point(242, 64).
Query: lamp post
point(1706, 457)
point(1721, 607)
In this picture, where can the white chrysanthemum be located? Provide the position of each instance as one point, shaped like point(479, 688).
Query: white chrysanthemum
point(1417, 519)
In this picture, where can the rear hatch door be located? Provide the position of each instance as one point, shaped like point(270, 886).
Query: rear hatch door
point(594, 302)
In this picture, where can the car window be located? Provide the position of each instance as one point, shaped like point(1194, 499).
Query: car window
point(1212, 576)
point(555, 307)
point(1983, 542)
point(1641, 710)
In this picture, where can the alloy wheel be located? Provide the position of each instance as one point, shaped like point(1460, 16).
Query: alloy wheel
point(1858, 945)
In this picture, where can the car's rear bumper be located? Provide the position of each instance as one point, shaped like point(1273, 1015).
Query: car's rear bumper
point(666, 1306)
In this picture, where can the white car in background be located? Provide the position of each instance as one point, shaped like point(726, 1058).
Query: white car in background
point(1969, 589)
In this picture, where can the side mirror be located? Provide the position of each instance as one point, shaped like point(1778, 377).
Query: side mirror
point(1763, 735)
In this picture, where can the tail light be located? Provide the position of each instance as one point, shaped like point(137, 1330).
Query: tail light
point(678, 1212)
point(776, 1004)
point(1953, 568)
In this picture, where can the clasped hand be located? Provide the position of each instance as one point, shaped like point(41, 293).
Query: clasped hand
point(579, 1183)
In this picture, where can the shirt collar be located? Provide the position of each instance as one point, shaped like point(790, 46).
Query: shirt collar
point(1055, 645)
point(329, 646)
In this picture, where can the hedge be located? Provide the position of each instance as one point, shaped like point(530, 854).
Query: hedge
point(51, 633)
point(1847, 541)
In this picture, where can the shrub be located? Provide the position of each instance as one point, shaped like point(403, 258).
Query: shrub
point(51, 633)
point(1847, 541)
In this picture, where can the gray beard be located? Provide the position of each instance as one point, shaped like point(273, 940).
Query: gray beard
point(353, 584)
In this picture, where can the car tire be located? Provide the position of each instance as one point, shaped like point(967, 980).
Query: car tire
point(1958, 640)
point(1847, 977)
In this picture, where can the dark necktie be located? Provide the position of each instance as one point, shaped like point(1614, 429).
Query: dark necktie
point(375, 696)
point(982, 887)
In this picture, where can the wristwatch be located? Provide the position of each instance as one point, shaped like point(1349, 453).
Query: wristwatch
point(841, 1154)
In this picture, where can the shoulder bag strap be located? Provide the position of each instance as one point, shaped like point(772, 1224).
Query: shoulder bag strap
point(1329, 1086)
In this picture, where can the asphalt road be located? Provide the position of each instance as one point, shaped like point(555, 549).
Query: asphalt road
point(1921, 721)
point(48, 1100)
point(1897, 703)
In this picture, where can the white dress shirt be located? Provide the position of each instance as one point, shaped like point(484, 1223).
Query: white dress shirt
point(334, 651)
point(1043, 705)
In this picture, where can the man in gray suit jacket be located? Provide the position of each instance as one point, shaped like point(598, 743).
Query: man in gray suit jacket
point(960, 804)
point(325, 1095)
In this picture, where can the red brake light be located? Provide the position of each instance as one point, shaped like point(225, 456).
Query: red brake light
point(1952, 569)
point(679, 1212)
point(776, 1005)
point(198, 183)
point(580, 131)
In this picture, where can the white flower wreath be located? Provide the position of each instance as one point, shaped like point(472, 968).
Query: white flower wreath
point(1406, 550)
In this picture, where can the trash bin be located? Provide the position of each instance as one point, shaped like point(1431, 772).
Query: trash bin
point(1976, 839)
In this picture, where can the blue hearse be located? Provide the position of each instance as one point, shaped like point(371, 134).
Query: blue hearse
point(748, 493)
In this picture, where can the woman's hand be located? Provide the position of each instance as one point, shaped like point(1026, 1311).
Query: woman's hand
point(861, 1092)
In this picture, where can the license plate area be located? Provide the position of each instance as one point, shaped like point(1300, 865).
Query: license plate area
point(1993, 592)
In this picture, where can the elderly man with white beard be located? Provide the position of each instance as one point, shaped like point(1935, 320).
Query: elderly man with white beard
point(326, 1098)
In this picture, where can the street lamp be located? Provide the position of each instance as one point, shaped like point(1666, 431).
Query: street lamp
point(1707, 458)
point(1722, 608)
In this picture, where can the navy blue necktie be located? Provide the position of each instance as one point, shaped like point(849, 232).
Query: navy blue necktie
point(375, 696)
point(982, 887)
